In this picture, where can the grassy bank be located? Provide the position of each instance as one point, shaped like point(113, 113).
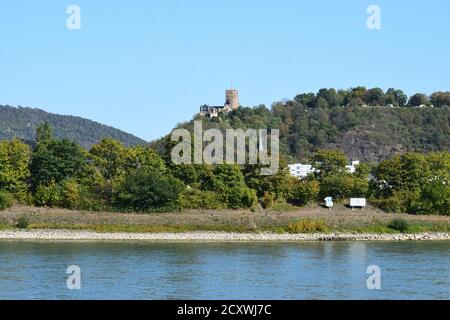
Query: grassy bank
point(305, 220)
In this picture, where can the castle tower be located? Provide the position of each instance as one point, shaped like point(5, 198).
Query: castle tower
point(232, 99)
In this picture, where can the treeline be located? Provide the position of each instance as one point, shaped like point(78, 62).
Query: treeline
point(328, 98)
point(111, 177)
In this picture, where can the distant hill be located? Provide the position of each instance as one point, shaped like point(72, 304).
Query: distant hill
point(371, 133)
point(22, 122)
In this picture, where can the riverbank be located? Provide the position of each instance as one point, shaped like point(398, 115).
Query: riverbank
point(59, 235)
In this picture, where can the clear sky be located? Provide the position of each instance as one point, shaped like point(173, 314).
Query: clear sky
point(144, 66)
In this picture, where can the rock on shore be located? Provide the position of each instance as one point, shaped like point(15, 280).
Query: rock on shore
point(213, 236)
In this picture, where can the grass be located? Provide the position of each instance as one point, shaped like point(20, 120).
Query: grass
point(300, 226)
point(307, 221)
point(417, 227)
point(141, 228)
point(307, 226)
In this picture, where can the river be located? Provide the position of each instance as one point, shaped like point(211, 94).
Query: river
point(248, 270)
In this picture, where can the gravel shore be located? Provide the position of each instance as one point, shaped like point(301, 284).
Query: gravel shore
point(212, 236)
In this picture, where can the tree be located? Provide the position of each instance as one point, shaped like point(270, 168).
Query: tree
point(343, 186)
point(57, 161)
point(274, 184)
point(418, 99)
point(110, 157)
point(440, 99)
point(148, 192)
point(14, 167)
point(330, 161)
point(228, 181)
point(356, 96)
point(144, 158)
point(434, 198)
point(304, 191)
point(374, 97)
point(408, 171)
point(395, 97)
point(330, 96)
point(44, 133)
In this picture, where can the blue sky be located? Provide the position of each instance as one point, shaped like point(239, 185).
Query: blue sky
point(144, 66)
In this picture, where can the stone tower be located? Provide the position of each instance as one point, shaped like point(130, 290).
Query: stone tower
point(232, 99)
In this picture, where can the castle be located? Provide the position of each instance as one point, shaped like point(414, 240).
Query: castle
point(231, 103)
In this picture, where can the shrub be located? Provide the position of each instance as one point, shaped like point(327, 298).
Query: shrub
point(282, 205)
point(200, 199)
point(434, 199)
point(399, 202)
point(91, 201)
point(399, 224)
point(148, 192)
point(342, 186)
point(6, 200)
point(267, 200)
point(307, 226)
point(70, 193)
point(23, 222)
point(304, 192)
point(47, 195)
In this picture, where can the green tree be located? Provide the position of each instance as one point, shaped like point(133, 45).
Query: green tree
point(57, 161)
point(110, 157)
point(148, 192)
point(395, 97)
point(374, 97)
point(228, 181)
point(14, 167)
point(440, 99)
point(343, 186)
point(418, 99)
point(44, 133)
point(304, 191)
point(330, 162)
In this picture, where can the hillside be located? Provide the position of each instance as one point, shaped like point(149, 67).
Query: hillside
point(22, 122)
point(371, 133)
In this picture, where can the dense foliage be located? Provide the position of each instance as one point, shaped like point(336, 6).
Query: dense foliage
point(111, 176)
point(405, 167)
point(366, 124)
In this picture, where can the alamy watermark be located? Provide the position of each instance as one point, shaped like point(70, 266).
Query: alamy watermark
point(74, 280)
point(73, 21)
point(374, 20)
point(235, 147)
point(374, 280)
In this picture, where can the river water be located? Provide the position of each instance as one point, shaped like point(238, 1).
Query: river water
point(149, 270)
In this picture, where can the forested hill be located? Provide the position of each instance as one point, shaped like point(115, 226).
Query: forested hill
point(22, 123)
point(363, 131)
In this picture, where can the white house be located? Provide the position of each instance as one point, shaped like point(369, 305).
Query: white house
point(299, 170)
point(352, 167)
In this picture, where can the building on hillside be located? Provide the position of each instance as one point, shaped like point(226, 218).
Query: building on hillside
point(352, 167)
point(231, 103)
point(300, 171)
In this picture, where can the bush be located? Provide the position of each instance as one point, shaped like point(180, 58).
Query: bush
point(399, 224)
point(148, 192)
point(199, 199)
point(6, 200)
point(70, 193)
point(267, 200)
point(434, 199)
point(23, 222)
point(304, 192)
point(47, 195)
point(343, 186)
point(399, 202)
point(307, 226)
